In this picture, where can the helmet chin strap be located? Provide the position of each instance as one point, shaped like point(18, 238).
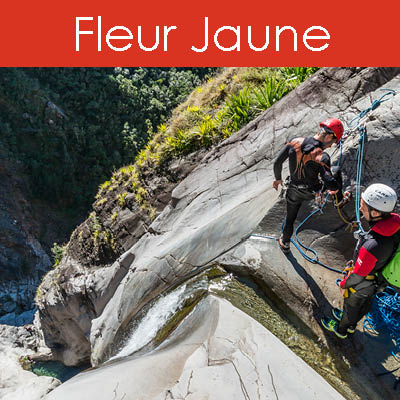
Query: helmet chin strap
point(371, 218)
point(324, 135)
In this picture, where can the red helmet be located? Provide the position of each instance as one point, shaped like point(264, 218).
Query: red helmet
point(333, 125)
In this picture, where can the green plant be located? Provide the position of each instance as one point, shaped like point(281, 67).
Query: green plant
point(272, 91)
point(298, 74)
point(152, 213)
point(96, 227)
point(122, 199)
point(238, 109)
point(206, 131)
point(101, 202)
point(141, 195)
point(179, 144)
point(58, 253)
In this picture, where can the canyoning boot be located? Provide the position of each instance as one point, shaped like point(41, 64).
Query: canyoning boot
point(285, 246)
point(338, 314)
point(347, 196)
point(332, 326)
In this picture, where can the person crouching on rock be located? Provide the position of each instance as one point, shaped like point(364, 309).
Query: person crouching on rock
point(373, 251)
point(308, 165)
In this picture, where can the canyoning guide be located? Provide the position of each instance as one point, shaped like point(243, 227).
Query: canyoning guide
point(310, 173)
point(373, 251)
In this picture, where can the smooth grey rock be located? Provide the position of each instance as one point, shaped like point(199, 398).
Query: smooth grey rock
point(230, 193)
point(15, 382)
point(218, 352)
point(226, 198)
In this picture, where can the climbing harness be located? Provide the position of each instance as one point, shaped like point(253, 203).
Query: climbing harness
point(347, 271)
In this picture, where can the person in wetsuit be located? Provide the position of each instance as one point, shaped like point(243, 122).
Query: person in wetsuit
point(373, 251)
point(308, 166)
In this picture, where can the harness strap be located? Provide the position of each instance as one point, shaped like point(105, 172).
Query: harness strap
point(303, 158)
point(351, 289)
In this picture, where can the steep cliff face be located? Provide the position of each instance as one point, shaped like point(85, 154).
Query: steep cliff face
point(222, 201)
point(23, 260)
point(20, 252)
point(50, 121)
point(76, 292)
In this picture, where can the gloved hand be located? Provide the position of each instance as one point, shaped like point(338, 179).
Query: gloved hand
point(338, 280)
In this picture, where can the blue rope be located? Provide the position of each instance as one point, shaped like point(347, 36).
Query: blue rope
point(361, 145)
point(297, 242)
point(299, 245)
point(385, 315)
point(360, 155)
point(375, 104)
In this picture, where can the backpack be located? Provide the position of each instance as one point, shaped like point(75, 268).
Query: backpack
point(391, 272)
point(305, 154)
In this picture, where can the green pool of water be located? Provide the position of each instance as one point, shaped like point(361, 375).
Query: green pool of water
point(56, 369)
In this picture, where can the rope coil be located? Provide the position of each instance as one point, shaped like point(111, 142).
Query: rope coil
point(385, 315)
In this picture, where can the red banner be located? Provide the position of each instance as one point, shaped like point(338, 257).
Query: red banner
point(204, 33)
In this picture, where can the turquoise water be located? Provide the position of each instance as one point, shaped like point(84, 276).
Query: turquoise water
point(56, 369)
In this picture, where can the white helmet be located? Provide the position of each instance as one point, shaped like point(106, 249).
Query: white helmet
point(380, 197)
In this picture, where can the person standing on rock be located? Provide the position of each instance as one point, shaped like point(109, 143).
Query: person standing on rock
point(308, 166)
point(373, 251)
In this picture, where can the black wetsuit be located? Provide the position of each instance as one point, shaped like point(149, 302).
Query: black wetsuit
point(372, 253)
point(308, 165)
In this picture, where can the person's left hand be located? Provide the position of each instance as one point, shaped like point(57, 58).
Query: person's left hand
point(319, 199)
point(276, 183)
